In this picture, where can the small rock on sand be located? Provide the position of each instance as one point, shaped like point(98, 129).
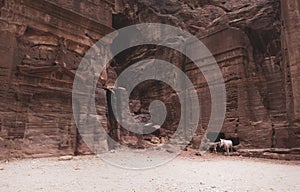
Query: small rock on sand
point(65, 158)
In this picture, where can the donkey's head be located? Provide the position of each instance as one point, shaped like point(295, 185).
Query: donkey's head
point(221, 143)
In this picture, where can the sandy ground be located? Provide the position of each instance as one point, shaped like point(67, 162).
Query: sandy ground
point(185, 173)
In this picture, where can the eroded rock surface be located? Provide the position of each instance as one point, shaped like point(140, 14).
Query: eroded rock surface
point(250, 41)
point(41, 46)
point(255, 43)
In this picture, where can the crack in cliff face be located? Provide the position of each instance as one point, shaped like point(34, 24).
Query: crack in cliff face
point(1, 3)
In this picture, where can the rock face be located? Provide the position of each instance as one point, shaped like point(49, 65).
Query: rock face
point(291, 59)
point(41, 46)
point(251, 41)
point(255, 43)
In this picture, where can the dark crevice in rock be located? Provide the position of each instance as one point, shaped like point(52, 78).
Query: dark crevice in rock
point(1, 3)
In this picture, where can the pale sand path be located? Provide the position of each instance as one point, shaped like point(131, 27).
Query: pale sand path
point(185, 173)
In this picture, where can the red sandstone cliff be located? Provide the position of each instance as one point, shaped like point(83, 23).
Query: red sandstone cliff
point(42, 43)
point(254, 45)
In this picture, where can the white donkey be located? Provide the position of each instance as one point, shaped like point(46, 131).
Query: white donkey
point(227, 144)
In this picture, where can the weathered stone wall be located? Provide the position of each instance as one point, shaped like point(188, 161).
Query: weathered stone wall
point(253, 52)
point(41, 46)
point(254, 96)
point(231, 54)
point(42, 43)
point(291, 64)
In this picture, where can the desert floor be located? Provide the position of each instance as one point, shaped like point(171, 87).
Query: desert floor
point(186, 172)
